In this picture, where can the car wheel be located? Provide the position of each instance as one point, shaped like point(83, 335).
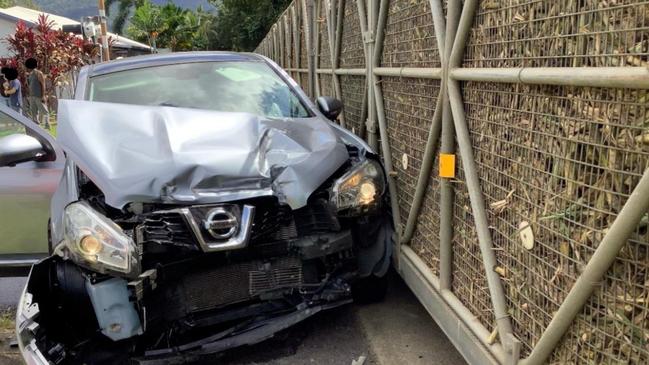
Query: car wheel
point(371, 289)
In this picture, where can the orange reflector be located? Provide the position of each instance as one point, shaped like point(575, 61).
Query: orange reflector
point(446, 165)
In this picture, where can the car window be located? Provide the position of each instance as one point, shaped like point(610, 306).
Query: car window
point(9, 126)
point(251, 87)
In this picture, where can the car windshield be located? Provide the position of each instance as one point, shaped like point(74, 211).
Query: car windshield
point(251, 87)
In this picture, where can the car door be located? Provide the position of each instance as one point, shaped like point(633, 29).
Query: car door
point(25, 193)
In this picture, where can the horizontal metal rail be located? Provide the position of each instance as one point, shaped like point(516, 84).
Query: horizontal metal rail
point(338, 71)
point(614, 77)
point(410, 72)
point(350, 71)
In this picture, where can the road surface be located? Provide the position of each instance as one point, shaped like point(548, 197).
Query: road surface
point(396, 331)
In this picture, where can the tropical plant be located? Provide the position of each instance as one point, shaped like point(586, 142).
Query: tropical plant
point(170, 26)
point(147, 23)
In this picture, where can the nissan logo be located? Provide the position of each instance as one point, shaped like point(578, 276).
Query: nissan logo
point(221, 223)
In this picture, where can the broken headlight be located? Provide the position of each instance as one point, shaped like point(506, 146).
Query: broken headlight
point(360, 189)
point(97, 243)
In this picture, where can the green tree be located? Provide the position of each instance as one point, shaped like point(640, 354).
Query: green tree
point(188, 30)
point(147, 23)
point(241, 24)
point(24, 3)
point(177, 36)
point(170, 26)
point(201, 23)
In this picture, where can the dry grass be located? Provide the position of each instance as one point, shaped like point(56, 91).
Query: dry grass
point(8, 355)
point(7, 320)
point(515, 33)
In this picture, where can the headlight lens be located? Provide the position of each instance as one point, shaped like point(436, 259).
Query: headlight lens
point(96, 242)
point(360, 189)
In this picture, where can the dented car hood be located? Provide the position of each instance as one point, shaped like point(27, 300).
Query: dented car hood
point(177, 155)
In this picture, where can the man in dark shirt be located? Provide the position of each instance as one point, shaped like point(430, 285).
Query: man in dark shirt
point(37, 95)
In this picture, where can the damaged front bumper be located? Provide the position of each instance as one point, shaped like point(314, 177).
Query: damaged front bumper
point(27, 328)
point(70, 315)
point(30, 334)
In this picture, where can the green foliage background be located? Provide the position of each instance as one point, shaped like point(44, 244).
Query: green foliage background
point(180, 25)
point(242, 24)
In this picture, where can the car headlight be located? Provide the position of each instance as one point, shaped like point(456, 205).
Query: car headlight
point(360, 189)
point(95, 242)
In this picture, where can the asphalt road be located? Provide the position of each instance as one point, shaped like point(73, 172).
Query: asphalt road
point(396, 331)
point(10, 289)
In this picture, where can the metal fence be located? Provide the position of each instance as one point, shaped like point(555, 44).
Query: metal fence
point(537, 249)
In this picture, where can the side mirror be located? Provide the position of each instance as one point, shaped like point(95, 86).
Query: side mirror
point(17, 148)
point(330, 107)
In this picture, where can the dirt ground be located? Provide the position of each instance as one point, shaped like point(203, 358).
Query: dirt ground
point(8, 355)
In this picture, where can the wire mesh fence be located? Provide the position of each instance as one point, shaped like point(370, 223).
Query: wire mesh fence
point(409, 108)
point(542, 33)
point(469, 281)
point(354, 90)
point(351, 47)
point(324, 54)
point(410, 36)
point(556, 163)
point(326, 85)
point(563, 161)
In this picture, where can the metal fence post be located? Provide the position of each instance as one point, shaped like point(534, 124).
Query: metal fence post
point(375, 61)
point(282, 43)
point(332, 32)
point(296, 40)
point(316, 44)
point(368, 47)
point(370, 38)
point(309, 34)
point(433, 135)
point(472, 180)
point(447, 193)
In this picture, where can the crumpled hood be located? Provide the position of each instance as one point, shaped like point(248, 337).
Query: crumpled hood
point(177, 155)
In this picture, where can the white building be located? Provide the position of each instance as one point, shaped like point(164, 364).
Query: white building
point(9, 17)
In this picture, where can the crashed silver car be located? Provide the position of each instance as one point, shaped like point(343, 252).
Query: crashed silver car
point(204, 203)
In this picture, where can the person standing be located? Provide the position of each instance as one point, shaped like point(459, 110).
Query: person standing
point(5, 85)
point(37, 95)
point(14, 90)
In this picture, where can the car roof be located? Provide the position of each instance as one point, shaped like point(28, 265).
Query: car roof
point(169, 59)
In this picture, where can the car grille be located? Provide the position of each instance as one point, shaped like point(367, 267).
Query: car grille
point(271, 223)
point(215, 287)
point(167, 228)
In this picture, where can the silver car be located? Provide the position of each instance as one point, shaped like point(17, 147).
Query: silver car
point(200, 202)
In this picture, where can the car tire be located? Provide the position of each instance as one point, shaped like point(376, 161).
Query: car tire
point(371, 289)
